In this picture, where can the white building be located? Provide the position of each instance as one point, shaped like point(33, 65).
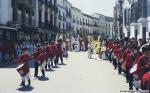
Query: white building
point(14, 16)
point(109, 28)
point(5, 11)
point(136, 19)
point(76, 17)
point(69, 28)
point(61, 20)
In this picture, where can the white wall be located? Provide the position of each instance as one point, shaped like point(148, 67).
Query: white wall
point(5, 11)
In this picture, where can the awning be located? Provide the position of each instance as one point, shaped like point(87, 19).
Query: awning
point(7, 28)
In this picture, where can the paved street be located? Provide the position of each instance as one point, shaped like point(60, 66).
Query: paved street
point(80, 75)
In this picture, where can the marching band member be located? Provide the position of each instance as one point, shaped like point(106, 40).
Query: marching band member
point(142, 65)
point(145, 82)
point(41, 61)
point(59, 52)
point(48, 60)
point(36, 54)
point(23, 67)
point(53, 54)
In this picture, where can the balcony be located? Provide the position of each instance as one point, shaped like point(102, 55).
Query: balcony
point(68, 14)
point(77, 22)
point(74, 20)
point(54, 7)
point(64, 19)
point(60, 17)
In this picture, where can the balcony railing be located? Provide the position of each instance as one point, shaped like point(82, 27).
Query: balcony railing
point(60, 17)
point(64, 19)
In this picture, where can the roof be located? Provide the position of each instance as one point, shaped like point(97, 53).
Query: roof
point(109, 19)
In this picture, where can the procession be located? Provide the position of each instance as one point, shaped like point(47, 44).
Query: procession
point(75, 46)
point(128, 56)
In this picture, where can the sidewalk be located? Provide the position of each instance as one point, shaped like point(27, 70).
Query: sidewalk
point(6, 64)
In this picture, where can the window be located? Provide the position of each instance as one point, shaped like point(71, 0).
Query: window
point(59, 24)
point(145, 8)
point(63, 26)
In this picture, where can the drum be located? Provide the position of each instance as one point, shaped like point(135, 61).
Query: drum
point(23, 69)
point(137, 74)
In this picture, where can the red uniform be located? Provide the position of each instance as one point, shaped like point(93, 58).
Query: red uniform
point(145, 82)
point(24, 58)
point(40, 58)
point(23, 68)
point(141, 67)
point(53, 51)
point(59, 50)
point(125, 54)
point(129, 60)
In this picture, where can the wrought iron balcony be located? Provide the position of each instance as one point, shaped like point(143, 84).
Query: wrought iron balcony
point(60, 17)
point(64, 19)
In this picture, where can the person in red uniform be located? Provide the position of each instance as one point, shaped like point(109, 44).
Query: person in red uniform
point(48, 52)
point(145, 82)
point(130, 60)
point(142, 65)
point(36, 54)
point(41, 61)
point(60, 52)
point(23, 67)
point(53, 53)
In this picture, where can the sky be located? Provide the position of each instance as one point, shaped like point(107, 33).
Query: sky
point(104, 7)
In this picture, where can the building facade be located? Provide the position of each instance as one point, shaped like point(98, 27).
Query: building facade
point(28, 19)
point(118, 19)
point(46, 19)
point(17, 20)
point(109, 28)
point(76, 19)
point(137, 19)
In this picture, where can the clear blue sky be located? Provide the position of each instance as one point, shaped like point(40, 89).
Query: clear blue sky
point(95, 6)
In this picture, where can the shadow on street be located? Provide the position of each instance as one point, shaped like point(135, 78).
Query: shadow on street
point(25, 89)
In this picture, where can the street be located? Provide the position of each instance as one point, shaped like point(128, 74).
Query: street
point(79, 75)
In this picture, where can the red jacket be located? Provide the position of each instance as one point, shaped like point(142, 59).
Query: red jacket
point(53, 50)
point(129, 60)
point(142, 66)
point(145, 82)
point(24, 58)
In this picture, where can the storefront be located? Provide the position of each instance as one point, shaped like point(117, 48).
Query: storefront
point(8, 33)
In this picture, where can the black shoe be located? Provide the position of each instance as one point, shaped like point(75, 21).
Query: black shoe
point(29, 82)
point(131, 88)
point(43, 73)
point(49, 67)
point(22, 83)
point(35, 76)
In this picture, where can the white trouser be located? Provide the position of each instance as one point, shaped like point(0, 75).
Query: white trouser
point(137, 84)
point(42, 66)
point(48, 61)
point(26, 77)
